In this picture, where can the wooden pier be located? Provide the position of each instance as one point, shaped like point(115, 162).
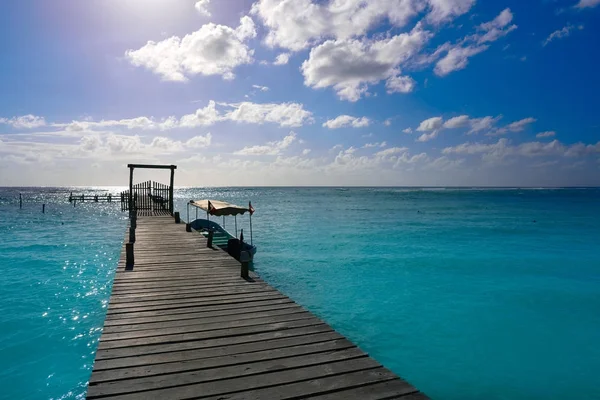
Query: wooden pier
point(183, 324)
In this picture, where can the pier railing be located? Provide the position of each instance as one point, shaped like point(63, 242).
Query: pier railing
point(148, 196)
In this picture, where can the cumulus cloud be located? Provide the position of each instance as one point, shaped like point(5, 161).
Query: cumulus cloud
point(349, 66)
point(561, 33)
point(261, 88)
point(430, 124)
point(496, 28)
point(407, 130)
point(298, 24)
point(400, 84)
point(284, 114)
point(202, 7)
point(271, 148)
point(457, 122)
point(211, 50)
point(282, 59)
point(344, 121)
point(28, 121)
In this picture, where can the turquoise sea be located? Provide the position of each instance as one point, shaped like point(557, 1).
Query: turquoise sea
point(466, 293)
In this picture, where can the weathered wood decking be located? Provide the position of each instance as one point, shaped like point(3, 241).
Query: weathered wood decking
point(183, 324)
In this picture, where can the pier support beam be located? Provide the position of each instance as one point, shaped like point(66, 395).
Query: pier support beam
point(245, 260)
point(177, 217)
point(131, 235)
point(188, 227)
point(129, 256)
point(211, 233)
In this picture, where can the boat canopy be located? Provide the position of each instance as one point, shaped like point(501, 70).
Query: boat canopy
point(218, 208)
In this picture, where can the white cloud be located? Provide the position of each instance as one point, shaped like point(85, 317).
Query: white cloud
point(202, 7)
point(271, 148)
point(503, 148)
point(560, 33)
point(428, 136)
point(457, 122)
point(517, 126)
point(349, 66)
point(458, 55)
point(587, 3)
point(198, 142)
point(391, 152)
point(456, 59)
point(546, 134)
point(482, 124)
point(284, 114)
point(520, 125)
point(496, 28)
point(430, 124)
point(211, 50)
point(343, 121)
point(400, 84)
point(202, 117)
point(282, 59)
point(444, 10)
point(305, 152)
point(298, 24)
point(28, 121)
point(387, 122)
point(376, 144)
point(407, 130)
point(261, 88)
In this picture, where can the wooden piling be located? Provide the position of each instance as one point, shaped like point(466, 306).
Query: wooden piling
point(209, 242)
point(245, 260)
point(129, 256)
point(177, 217)
point(131, 235)
point(20, 201)
point(43, 209)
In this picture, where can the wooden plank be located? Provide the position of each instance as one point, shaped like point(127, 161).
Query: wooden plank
point(212, 334)
point(208, 352)
point(184, 388)
point(205, 343)
point(294, 357)
point(390, 389)
point(220, 320)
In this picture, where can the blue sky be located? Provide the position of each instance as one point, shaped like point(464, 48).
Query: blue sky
point(301, 92)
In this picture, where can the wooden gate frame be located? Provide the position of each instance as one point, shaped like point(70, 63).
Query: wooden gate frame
point(150, 166)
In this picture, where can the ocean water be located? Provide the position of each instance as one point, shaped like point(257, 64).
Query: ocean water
point(467, 294)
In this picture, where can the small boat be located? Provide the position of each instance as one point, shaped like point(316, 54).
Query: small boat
point(221, 237)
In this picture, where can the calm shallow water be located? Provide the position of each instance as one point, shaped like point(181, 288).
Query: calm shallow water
point(458, 291)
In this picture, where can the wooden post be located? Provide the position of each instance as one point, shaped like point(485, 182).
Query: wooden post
point(130, 188)
point(171, 190)
point(129, 256)
point(177, 217)
point(188, 227)
point(20, 201)
point(245, 260)
point(71, 197)
point(211, 233)
point(131, 234)
point(43, 209)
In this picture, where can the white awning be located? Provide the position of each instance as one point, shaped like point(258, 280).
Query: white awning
point(218, 208)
